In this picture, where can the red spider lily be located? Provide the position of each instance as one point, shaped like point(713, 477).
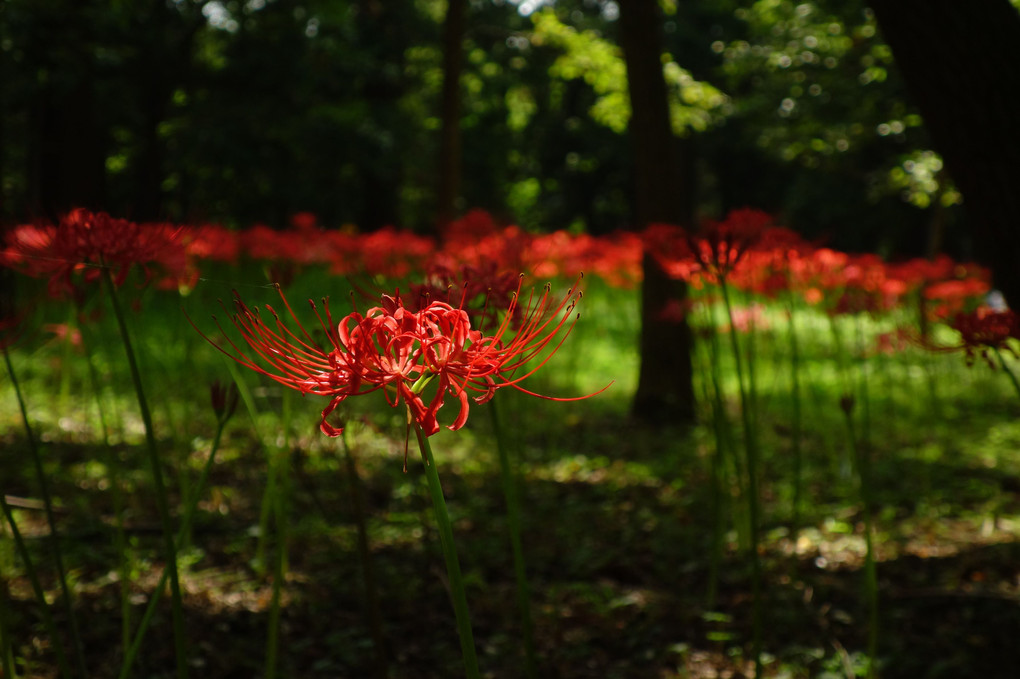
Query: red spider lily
point(489, 363)
point(945, 286)
point(476, 241)
point(671, 248)
point(474, 226)
point(392, 253)
point(84, 241)
point(865, 286)
point(746, 319)
point(984, 329)
point(401, 352)
point(213, 242)
point(480, 290)
point(769, 268)
point(894, 342)
point(614, 257)
point(721, 245)
point(304, 221)
point(947, 298)
point(63, 332)
point(820, 272)
point(713, 253)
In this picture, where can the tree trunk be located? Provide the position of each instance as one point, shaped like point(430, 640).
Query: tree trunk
point(958, 60)
point(449, 149)
point(69, 150)
point(664, 392)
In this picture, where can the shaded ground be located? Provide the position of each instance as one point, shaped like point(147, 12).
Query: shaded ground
point(618, 541)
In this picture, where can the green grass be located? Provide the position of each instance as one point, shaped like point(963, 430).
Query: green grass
point(616, 516)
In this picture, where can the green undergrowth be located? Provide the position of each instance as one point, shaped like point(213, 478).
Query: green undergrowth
point(616, 515)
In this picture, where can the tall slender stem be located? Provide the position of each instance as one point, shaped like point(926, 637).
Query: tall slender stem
point(114, 470)
point(40, 595)
point(365, 556)
point(513, 518)
point(44, 489)
point(279, 507)
point(162, 505)
point(277, 500)
point(185, 527)
point(797, 430)
point(6, 643)
point(716, 475)
point(751, 448)
point(870, 568)
point(457, 591)
point(1010, 373)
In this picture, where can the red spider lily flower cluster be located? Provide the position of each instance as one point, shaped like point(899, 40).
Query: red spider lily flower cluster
point(476, 241)
point(483, 291)
point(745, 248)
point(984, 329)
point(712, 254)
point(406, 354)
point(751, 254)
point(82, 242)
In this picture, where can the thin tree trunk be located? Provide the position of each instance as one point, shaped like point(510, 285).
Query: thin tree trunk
point(72, 161)
point(959, 62)
point(450, 103)
point(664, 393)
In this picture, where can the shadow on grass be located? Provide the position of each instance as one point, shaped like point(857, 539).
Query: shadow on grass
point(617, 536)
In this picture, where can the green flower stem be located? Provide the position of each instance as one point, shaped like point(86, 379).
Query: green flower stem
point(113, 465)
point(862, 376)
point(365, 556)
point(265, 514)
point(183, 530)
point(723, 456)
point(6, 643)
point(273, 505)
point(66, 359)
point(276, 498)
point(457, 592)
point(863, 465)
point(1010, 373)
point(44, 488)
point(751, 448)
point(279, 503)
point(40, 595)
point(513, 517)
point(162, 505)
point(845, 466)
point(264, 508)
point(796, 434)
point(725, 445)
point(718, 486)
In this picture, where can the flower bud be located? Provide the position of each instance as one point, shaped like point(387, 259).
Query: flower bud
point(224, 400)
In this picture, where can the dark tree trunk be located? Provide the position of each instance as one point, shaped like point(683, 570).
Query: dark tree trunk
point(68, 149)
point(148, 201)
point(165, 45)
point(959, 62)
point(664, 392)
point(65, 146)
point(449, 143)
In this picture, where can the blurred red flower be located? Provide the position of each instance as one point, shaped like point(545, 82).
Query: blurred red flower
point(84, 242)
point(984, 329)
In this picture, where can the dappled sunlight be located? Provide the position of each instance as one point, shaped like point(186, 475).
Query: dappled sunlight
point(636, 538)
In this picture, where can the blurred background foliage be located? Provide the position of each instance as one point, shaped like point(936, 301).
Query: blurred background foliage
point(249, 111)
